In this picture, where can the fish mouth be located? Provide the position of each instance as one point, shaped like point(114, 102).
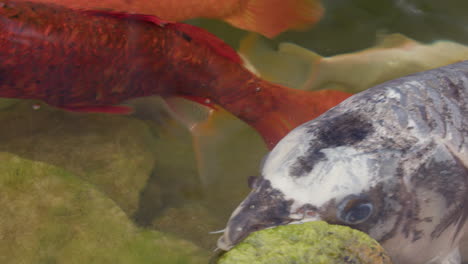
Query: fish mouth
point(223, 244)
point(264, 207)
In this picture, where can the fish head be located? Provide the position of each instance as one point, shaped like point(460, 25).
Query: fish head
point(348, 171)
point(316, 174)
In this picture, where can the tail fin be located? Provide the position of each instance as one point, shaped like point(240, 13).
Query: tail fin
point(271, 17)
point(291, 65)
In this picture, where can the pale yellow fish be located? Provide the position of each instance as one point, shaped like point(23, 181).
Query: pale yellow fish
point(394, 55)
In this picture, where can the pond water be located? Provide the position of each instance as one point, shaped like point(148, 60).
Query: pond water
point(150, 186)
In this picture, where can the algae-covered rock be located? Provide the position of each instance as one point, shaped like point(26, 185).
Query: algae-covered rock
point(113, 152)
point(49, 216)
point(308, 243)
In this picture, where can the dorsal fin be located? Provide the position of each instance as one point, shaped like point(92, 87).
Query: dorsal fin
point(208, 39)
point(139, 17)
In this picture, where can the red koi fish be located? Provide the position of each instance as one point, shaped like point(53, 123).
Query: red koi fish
point(91, 61)
point(254, 15)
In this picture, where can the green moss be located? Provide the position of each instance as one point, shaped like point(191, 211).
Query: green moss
point(312, 242)
point(113, 152)
point(49, 216)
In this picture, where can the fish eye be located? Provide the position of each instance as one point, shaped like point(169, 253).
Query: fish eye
point(355, 210)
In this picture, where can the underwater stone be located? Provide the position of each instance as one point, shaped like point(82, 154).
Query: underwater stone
point(50, 216)
point(312, 242)
point(113, 152)
point(192, 222)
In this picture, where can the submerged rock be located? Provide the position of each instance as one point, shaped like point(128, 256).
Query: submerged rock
point(49, 216)
point(113, 152)
point(192, 222)
point(312, 242)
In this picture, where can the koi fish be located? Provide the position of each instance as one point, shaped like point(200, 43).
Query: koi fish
point(253, 15)
point(92, 61)
point(391, 161)
point(393, 56)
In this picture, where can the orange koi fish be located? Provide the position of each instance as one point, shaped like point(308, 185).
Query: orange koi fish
point(267, 17)
point(92, 61)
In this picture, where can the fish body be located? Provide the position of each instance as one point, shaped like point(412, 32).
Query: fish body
point(254, 15)
point(92, 61)
point(394, 56)
point(72, 59)
point(391, 161)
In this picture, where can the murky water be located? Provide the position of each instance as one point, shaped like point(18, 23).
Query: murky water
point(178, 173)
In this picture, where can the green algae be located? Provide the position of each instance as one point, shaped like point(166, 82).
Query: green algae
point(113, 152)
point(49, 216)
point(313, 242)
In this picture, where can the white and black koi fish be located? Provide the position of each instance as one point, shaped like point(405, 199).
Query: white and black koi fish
point(391, 161)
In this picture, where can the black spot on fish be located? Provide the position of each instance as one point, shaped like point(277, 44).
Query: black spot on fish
point(185, 36)
point(453, 89)
point(305, 164)
point(449, 179)
point(423, 113)
point(253, 181)
point(266, 196)
point(263, 208)
point(417, 234)
point(446, 177)
point(344, 130)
